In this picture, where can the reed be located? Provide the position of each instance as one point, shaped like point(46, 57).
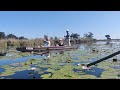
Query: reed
point(6, 43)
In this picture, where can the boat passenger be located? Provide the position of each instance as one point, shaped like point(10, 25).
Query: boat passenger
point(61, 42)
point(47, 42)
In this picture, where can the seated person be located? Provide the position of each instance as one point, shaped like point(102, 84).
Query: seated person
point(47, 42)
point(61, 42)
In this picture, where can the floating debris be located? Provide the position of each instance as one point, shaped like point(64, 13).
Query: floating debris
point(33, 68)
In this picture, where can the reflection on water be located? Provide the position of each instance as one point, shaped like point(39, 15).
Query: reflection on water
point(23, 59)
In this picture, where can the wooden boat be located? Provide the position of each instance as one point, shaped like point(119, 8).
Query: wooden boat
point(36, 49)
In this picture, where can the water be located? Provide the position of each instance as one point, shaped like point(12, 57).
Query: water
point(23, 59)
point(94, 71)
point(24, 75)
point(2, 70)
point(76, 58)
point(27, 74)
point(116, 67)
point(82, 62)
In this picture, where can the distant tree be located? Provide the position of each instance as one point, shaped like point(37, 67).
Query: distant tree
point(12, 36)
point(88, 35)
point(85, 35)
point(108, 37)
point(2, 35)
point(45, 36)
point(22, 37)
point(56, 40)
point(74, 35)
point(52, 40)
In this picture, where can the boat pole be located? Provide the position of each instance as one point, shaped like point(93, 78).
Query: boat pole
point(103, 59)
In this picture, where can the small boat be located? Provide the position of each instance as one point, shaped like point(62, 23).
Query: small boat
point(40, 49)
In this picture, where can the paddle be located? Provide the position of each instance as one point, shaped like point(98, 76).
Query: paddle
point(103, 59)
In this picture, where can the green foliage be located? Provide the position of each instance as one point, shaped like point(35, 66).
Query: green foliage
point(108, 37)
point(109, 74)
point(22, 38)
point(88, 35)
point(56, 40)
point(74, 35)
point(11, 36)
point(2, 35)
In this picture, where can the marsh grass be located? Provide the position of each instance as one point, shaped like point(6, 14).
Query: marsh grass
point(13, 43)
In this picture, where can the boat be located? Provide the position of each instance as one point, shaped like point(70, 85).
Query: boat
point(40, 49)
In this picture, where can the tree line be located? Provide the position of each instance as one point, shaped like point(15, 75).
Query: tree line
point(13, 40)
point(72, 36)
point(10, 36)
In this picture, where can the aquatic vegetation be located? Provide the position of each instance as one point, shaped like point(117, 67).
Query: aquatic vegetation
point(32, 61)
point(46, 76)
point(10, 70)
point(50, 70)
point(60, 73)
point(104, 65)
point(55, 66)
point(6, 66)
point(109, 74)
point(7, 72)
point(24, 54)
point(41, 72)
point(66, 72)
point(87, 77)
point(65, 65)
point(2, 57)
point(22, 68)
point(13, 54)
point(78, 67)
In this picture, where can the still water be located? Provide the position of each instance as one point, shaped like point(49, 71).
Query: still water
point(76, 57)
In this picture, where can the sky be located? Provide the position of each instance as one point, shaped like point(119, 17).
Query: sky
point(36, 24)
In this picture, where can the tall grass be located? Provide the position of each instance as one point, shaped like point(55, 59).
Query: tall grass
point(8, 43)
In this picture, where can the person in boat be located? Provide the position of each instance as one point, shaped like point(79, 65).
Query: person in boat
point(61, 42)
point(47, 42)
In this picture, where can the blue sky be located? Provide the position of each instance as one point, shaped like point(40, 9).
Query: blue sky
point(35, 24)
